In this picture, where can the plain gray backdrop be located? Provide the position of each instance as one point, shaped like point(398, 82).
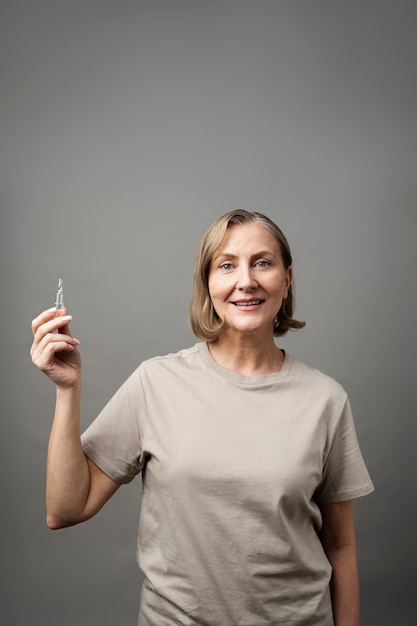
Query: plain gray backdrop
point(126, 128)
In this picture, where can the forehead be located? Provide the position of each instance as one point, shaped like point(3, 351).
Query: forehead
point(248, 237)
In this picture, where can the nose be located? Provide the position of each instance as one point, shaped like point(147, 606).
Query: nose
point(246, 279)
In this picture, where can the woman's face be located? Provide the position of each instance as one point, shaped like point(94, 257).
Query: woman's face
point(247, 279)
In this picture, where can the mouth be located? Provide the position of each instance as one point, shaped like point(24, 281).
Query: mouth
point(247, 303)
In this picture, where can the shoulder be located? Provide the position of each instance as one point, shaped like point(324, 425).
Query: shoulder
point(160, 370)
point(315, 379)
point(187, 358)
point(184, 355)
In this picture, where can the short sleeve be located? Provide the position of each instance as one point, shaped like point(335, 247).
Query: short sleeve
point(345, 475)
point(114, 439)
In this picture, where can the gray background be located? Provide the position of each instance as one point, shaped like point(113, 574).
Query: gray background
point(126, 128)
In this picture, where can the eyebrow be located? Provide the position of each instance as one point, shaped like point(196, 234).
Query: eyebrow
point(229, 255)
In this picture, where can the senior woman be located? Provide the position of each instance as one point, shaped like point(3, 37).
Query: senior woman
point(249, 457)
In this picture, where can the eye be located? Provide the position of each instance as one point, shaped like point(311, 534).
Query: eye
point(226, 266)
point(262, 263)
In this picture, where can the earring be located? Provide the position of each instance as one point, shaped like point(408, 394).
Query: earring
point(276, 321)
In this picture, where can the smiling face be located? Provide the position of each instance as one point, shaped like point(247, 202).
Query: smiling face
point(247, 279)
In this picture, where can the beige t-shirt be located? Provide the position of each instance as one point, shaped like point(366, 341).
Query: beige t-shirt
point(233, 469)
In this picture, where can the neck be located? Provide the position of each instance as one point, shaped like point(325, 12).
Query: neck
point(246, 356)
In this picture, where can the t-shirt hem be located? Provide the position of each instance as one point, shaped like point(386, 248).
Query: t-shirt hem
point(119, 477)
point(350, 494)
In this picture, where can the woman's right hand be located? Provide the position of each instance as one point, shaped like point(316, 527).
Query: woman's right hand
point(56, 353)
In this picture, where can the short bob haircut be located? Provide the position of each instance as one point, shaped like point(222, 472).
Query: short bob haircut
point(204, 320)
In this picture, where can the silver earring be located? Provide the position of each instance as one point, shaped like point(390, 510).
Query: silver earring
point(276, 321)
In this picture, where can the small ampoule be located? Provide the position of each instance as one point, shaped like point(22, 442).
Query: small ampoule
point(59, 300)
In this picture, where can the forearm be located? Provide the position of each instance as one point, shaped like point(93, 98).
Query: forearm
point(67, 478)
point(345, 586)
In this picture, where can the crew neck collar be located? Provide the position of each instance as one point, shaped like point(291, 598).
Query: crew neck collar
point(235, 377)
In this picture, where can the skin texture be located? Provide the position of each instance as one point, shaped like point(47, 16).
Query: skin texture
point(246, 268)
point(338, 538)
point(75, 488)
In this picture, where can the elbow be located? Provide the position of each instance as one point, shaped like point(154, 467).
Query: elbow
point(56, 523)
point(52, 526)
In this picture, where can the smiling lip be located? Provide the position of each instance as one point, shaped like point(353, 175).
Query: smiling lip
point(245, 304)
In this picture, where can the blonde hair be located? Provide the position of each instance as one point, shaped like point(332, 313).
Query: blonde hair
point(204, 321)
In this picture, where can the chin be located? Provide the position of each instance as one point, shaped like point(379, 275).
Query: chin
point(247, 328)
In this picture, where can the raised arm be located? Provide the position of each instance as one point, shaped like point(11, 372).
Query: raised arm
point(338, 538)
point(76, 489)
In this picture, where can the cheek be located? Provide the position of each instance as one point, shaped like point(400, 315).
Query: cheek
point(211, 287)
point(278, 288)
point(216, 288)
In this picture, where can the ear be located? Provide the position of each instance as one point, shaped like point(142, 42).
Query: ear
point(288, 281)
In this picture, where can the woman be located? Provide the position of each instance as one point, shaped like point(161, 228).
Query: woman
point(249, 457)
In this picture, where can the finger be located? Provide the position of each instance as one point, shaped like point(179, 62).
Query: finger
point(47, 333)
point(43, 354)
point(42, 318)
point(48, 362)
point(57, 339)
point(65, 329)
point(56, 323)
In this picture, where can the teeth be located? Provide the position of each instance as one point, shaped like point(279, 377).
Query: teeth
point(248, 303)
